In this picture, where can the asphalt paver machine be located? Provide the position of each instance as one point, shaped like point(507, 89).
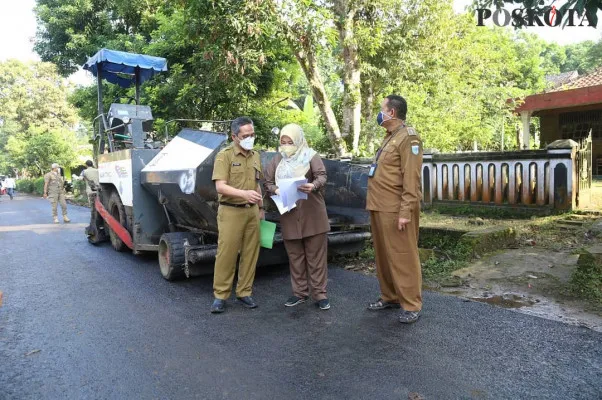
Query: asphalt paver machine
point(158, 196)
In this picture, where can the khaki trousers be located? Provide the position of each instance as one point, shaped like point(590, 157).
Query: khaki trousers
point(308, 258)
point(238, 233)
point(55, 199)
point(92, 204)
point(397, 260)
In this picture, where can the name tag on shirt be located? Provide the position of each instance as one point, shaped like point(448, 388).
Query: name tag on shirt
point(372, 170)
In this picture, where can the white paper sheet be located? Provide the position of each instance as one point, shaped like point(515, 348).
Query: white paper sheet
point(289, 194)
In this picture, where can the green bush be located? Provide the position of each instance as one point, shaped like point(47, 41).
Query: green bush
point(25, 185)
point(79, 192)
point(586, 281)
point(79, 187)
point(38, 186)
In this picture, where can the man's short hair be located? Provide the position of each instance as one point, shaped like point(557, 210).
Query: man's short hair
point(89, 163)
point(238, 123)
point(399, 104)
point(54, 165)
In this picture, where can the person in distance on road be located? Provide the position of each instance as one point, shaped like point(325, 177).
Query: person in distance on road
point(54, 189)
point(9, 184)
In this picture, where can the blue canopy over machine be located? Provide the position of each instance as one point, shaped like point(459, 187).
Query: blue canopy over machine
point(115, 66)
point(123, 69)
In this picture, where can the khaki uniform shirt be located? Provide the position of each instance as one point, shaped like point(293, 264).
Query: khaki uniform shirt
point(396, 186)
point(240, 171)
point(309, 217)
point(90, 174)
point(53, 181)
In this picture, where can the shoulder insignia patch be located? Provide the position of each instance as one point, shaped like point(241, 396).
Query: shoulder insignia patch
point(415, 149)
point(411, 132)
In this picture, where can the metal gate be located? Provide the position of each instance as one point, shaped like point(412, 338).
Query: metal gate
point(584, 171)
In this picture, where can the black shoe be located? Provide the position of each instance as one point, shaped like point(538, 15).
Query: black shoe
point(380, 304)
point(409, 317)
point(247, 301)
point(294, 301)
point(324, 304)
point(218, 306)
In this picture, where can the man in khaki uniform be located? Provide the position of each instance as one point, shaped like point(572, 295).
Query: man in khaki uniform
point(54, 189)
point(236, 172)
point(90, 176)
point(394, 193)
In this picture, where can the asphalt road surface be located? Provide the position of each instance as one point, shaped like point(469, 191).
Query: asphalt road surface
point(85, 322)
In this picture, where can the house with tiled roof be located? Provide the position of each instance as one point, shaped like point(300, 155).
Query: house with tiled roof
point(569, 109)
point(555, 81)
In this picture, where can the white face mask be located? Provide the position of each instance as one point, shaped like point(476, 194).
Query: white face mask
point(247, 143)
point(288, 149)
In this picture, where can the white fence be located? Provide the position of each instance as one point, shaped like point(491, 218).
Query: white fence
point(536, 178)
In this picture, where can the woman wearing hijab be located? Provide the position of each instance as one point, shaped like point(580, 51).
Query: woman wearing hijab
point(303, 228)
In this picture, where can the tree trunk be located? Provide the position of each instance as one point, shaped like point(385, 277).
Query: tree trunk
point(309, 64)
point(302, 44)
point(352, 98)
point(368, 90)
point(519, 136)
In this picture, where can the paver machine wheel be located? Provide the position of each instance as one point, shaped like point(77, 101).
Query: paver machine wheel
point(172, 254)
point(117, 211)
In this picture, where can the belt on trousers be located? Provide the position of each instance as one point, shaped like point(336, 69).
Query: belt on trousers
point(223, 203)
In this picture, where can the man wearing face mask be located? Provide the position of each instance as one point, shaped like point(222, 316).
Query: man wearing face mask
point(394, 193)
point(236, 172)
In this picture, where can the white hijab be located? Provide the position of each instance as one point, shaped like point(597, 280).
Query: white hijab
point(298, 164)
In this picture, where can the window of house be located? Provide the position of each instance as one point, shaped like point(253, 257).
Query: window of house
point(576, 125)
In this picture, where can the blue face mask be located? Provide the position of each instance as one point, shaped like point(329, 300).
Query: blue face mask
point(380, 118)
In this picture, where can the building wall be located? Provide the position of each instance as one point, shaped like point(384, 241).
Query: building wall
point(549, 129)
point(549, 123)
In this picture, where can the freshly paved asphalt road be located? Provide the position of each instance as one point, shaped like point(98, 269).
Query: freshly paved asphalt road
point(85, 322)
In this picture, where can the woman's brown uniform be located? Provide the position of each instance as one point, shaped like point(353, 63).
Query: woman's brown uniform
point(304, 231)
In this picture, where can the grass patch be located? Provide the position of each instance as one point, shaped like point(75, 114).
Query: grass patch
point(491, 212)
point(450, 255)
point(586, 281)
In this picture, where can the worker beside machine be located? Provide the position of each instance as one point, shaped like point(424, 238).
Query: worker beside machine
point(90, 177)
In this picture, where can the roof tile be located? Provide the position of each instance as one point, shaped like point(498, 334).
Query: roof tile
point(594, 78)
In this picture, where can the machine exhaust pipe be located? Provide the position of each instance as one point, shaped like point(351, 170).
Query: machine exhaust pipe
point(338, 243)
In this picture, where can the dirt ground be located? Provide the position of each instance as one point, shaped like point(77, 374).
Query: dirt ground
point(532, 280)
point(530, 277)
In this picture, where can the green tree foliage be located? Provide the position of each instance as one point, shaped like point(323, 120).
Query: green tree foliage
point(37, 123)
point(40, 149)
point(263, 58)
point(457, 77)
point(583, 57)
point(223, 57)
